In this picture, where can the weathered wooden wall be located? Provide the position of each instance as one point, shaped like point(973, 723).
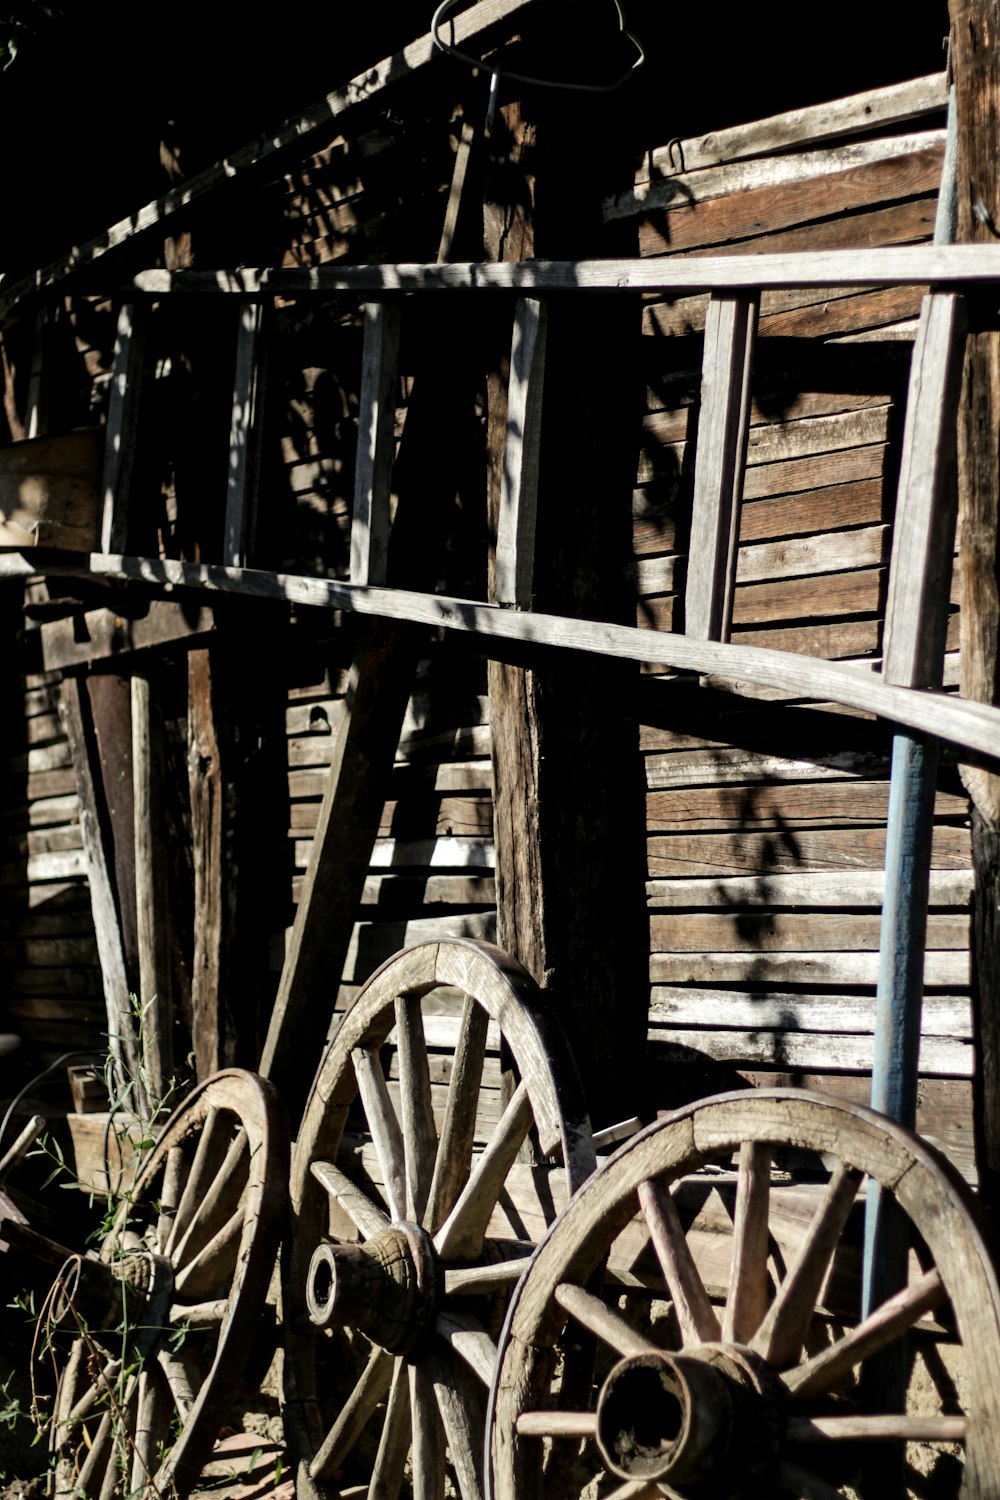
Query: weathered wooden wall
point(766, 819)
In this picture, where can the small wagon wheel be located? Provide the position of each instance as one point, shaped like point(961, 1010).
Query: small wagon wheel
point(164, 1322)
point(755, 1391)
point(397, 1299)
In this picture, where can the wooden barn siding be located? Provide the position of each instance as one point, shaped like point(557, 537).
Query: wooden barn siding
point(766, 821)
point(52, 985)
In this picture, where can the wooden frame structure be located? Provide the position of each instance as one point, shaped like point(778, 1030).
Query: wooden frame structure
point(917, 583)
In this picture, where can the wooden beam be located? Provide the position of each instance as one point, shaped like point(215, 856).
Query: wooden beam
point(152, 888)
point(122, 1041)
point(249, 384)
point(973, 727)
point(908, 265)
point(266, 152)
point(379, 689)
point(854, 115)
point(104, 634)
point(209, 776)
point(516, 516)
point(127, 368)
point(370, 522)
point(723, 429)
point(694, 185)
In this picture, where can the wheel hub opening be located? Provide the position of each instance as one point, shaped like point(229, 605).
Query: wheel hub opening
point(385, 1287)
point(661, 1416)
point(642, 1420)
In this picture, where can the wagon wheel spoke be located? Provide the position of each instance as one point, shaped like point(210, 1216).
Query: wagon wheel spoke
point(460, 1403)
point(198, 1314)
point(561, 1424)
point(183, 1377)
point(821, 1373)
point(174, 1178)
point(208, 1158)
point(747, 1300)
point(394, 1444)
point(467, 1337)
point(696, 1319)
point(458, 1132)
point(219, 1202)
point(77, 1393)
point(419, 1130)
point(468, 1281)
point(877, 1429)
point(367, 1218)
point(101, 1459)
point(214, 1263)
point(463, 1232)
point(636, 1489)
point(805, 1486)
point(383, 1125)
point(603, 1321)
point(428, 1436)
point(95, 1394)
point(354, 1415)
point(780, 1337)
point(151, 1427)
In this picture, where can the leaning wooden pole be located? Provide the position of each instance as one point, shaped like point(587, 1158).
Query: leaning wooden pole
point(975, 59)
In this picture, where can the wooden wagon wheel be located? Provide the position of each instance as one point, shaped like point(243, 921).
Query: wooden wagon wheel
point(755, 1390)
point(165, 1321)
point(394, 1300)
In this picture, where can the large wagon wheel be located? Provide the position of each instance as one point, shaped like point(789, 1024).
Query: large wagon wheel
point(757, 1391)
point(165, 1321)
point(395, 1302)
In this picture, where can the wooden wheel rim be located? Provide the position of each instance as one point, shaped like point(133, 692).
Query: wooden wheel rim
point(507, 996)
point(937, 1202)
point(239, 1099)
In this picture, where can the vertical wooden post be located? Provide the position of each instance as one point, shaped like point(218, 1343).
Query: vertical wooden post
point(152, 887)
point(249, 383)
point(123, 401)
point(975, 61)
point(518, 503)
point(36, 407)
point(376, 443)
point(214, 871)
point(568, 810)
point(723, 430)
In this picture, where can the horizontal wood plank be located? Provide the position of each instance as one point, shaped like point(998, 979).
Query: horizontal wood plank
point(740, 1010)
point(844, 888)
point(850, 115)
point(766, 854)
point(782, 806)
point(943, 970)
point(789, 932)
point(853, 1054)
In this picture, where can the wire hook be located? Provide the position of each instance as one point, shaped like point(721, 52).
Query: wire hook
point(438, 19)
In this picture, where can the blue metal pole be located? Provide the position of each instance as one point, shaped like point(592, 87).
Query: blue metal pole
point(899, 997)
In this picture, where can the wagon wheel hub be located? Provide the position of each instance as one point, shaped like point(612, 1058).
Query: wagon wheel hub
point(708, 1413)
point(127, 1297)
point(385, 1287)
